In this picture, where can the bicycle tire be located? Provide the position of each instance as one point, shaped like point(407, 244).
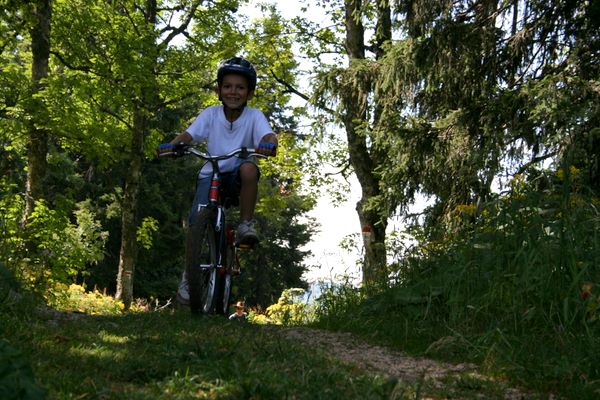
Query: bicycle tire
point(226, 300)
point(222, 291)
point(201, 256)
point(224, 281)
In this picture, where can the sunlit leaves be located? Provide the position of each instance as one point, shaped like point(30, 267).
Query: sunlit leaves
point(66, 247)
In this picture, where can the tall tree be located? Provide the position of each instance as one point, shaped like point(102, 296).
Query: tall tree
point(123, 57)
point(39, 13)
point(348, 93)
point(462, 92)
point(364, 157)
point(479, 90)
point(143, 105)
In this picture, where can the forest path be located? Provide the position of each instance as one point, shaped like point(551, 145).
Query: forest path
point(391, 363)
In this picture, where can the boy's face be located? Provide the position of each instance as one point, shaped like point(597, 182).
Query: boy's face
point(234, 91)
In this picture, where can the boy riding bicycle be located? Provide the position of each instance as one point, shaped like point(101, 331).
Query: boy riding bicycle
point(225, 128)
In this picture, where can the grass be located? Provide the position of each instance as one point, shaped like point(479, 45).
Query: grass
point(512, 285)
point(173, 355)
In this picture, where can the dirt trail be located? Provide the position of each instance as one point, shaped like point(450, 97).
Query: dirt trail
point(353, 350)
point(388, 362)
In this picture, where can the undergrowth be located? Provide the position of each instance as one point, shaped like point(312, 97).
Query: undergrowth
point(512, 284)
point(168, 354)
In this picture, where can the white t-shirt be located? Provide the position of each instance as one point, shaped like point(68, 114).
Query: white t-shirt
point(223, 136)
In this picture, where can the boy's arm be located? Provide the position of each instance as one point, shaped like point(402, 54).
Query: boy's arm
point(184, 137)
point(171, 147)
point(268, 145)
point(269, 138)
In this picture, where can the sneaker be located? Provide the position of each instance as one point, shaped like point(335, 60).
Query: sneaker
point(246, 234)
point(183, 295)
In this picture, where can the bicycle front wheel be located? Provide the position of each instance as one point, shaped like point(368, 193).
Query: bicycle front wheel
point(201, 259)
point(224, 279)
point(223, 297)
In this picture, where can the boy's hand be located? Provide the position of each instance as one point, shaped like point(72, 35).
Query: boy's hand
point(165, 149)
point(170, 149)
point(267, 149)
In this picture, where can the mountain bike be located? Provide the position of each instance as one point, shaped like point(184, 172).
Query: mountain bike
point(212, 258)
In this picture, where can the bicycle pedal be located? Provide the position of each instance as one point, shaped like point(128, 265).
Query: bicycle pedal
point(202, 266)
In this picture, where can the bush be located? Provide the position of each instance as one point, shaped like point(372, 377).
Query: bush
point(75, 298)
point(511, 279)
point(339, 307)
point(51, 247)
point(289, 310)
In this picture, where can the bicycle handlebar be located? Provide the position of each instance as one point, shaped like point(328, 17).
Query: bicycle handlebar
point(243, 152)
point(183, 149)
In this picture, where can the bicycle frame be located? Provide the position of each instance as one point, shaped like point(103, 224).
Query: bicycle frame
point(214, 197)
point(214, 192)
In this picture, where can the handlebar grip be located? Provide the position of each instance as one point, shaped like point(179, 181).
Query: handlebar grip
point(268, 149)
point(170, 149)
point(164, 149)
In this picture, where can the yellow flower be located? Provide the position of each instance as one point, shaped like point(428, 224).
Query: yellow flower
point(574, 171)
point(468, 209)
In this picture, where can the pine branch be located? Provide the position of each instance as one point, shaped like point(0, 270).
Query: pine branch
point(292, 89)
point(535, 160)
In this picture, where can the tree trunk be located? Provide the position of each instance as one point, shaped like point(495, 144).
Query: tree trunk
point(128, 252)
point(129, 247)
point(373, 225)
point(142, 123)
point(37, 147)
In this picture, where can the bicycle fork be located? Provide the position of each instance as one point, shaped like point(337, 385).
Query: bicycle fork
point(228, 260)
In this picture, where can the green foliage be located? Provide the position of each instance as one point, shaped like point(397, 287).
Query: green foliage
point(539, 241)
point(511, 284)
point(7, 283)
point(17, 381)
point(75, 298)
point(290, 309)
point(491, 99)
point(148, 226)
point(166, 196)
point(65, 248)
point(277, 263)
point(11, 241)
point(111, 64)
point(338, 307)
point(9, 287)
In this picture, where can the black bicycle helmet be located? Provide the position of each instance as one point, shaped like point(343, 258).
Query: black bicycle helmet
point(238, 65)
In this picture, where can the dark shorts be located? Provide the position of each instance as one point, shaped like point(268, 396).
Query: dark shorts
point(230, 191)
